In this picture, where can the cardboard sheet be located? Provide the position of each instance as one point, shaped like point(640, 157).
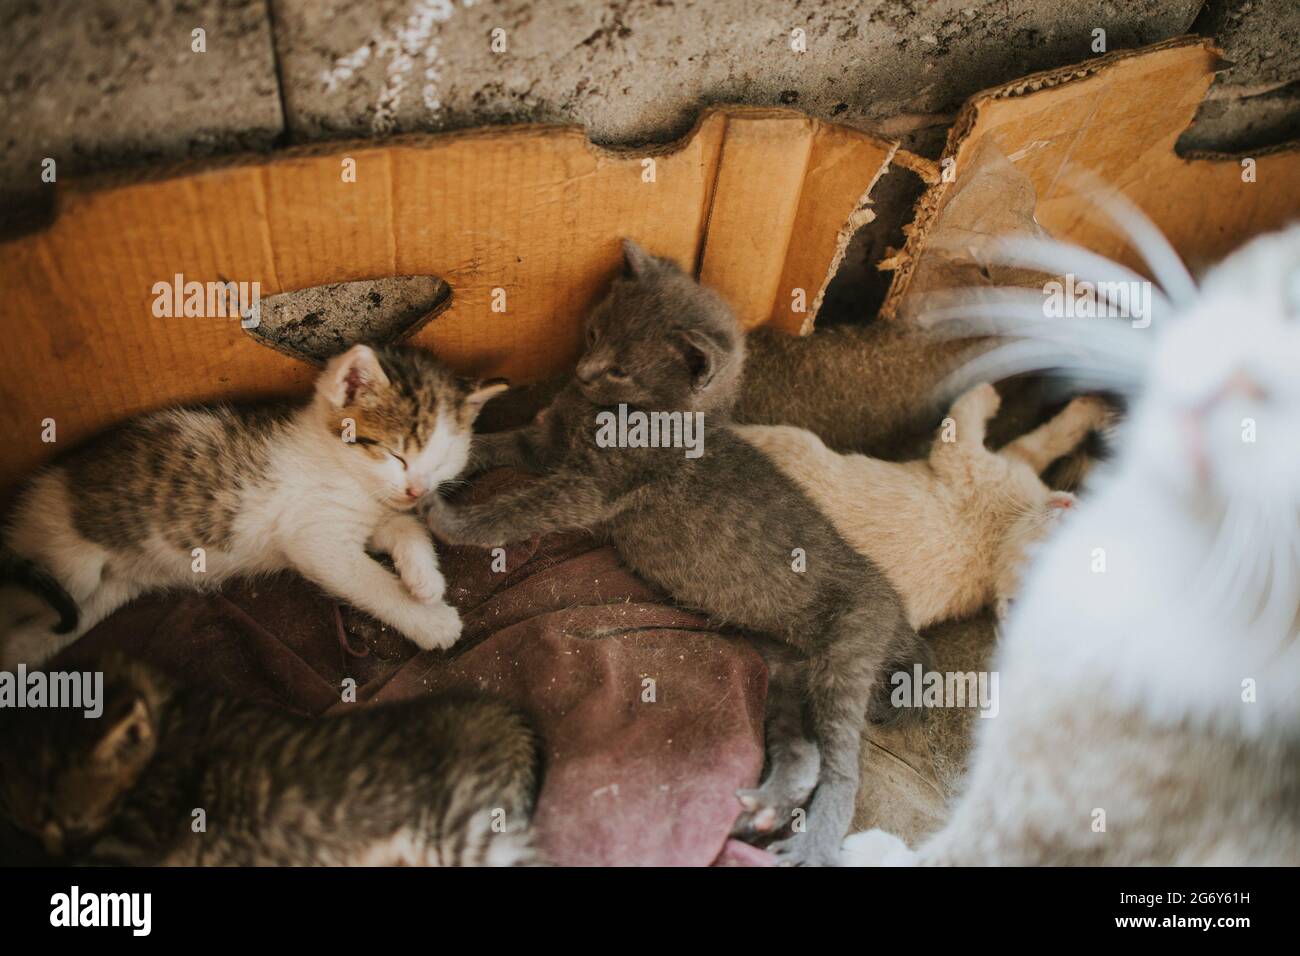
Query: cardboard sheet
point(522, 222)
point(1118, 117)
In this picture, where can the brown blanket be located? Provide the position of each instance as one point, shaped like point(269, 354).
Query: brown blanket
point(650, 720)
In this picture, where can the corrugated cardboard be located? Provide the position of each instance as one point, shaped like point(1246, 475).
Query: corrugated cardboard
point(1117, 116)
point(761, 202)
point(535, 212)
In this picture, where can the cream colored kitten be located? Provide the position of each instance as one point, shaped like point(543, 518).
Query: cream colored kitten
point(950, 532)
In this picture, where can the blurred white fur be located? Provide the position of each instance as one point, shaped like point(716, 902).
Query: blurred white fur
point(1150, 672)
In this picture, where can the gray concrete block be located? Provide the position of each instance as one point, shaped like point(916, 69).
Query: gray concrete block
point(1259, 38)
point(634, 71)
point(323, 321)
point(1255, 101)
point(100, 83)
point(1243, 124)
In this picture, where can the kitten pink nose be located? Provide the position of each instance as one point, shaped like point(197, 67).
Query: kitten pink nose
point(414, 491)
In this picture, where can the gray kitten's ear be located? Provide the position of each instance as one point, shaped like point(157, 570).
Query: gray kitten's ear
point(483, 392)
point(348, 376)
point(700, 356)
point(637, 263)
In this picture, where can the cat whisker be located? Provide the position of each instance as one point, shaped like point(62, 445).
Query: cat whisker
point(1144, 235)
point(1059, 258)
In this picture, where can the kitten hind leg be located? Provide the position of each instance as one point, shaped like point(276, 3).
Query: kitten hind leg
point(962, 434)
point(1061, 434)
point(971, 413)
point(839, 681)
point(33, 641)
point(793, 759)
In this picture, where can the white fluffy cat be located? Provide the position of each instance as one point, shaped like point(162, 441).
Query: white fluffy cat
point(1150, 671)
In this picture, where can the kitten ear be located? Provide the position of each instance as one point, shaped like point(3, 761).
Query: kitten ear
point(637, 263)
point(126, 736)
point(348, 376)
point(699, 354)
point(482, 393)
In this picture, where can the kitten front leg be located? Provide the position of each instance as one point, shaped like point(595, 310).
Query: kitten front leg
point(520, 448)
point(346, 571)
point(555, 503)
point(406, 540)
point(1062, 434)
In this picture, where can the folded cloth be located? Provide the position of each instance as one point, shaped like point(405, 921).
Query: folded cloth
point(650, 719)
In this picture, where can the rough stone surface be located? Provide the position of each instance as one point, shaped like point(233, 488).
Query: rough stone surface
point(317, 323)
point(108, 83)
point(99, 83)
point(1256, 101)
point(633, 71)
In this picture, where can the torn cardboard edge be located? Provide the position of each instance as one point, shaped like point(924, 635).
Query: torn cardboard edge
point(763, 201)
point(1118, 116)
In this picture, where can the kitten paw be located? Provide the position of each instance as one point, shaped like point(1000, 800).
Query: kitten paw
point(875, 848)
point(424, 583)
point(763, 814)
point(1094, 412)
point(801, 850)
point(982, 401)
point(439, 630)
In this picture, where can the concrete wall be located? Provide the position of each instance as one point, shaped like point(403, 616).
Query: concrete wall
point(95, 84)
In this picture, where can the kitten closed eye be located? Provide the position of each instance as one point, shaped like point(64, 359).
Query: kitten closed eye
point(305, 487)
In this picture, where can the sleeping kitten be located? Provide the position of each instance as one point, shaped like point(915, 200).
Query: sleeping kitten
point(875, 389)
point(951, 531)
point(725, 532)
point(1149, 712)
point(188, 498)
point(439, 781)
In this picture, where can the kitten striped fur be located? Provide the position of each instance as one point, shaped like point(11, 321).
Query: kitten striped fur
point(192, 497)
point(438, 781)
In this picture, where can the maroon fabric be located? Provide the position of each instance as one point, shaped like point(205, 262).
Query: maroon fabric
point(565, 632)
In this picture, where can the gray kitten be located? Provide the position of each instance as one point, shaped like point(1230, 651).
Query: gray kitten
point(725, 533)
point(444, 781)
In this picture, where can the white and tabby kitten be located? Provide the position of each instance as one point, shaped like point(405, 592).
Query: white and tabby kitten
point(191, 497)
point(1149, 712)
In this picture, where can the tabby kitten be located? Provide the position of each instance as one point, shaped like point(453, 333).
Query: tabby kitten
point(189, 498)
point(726, 533)
point(439, 781)
point(950, 531)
